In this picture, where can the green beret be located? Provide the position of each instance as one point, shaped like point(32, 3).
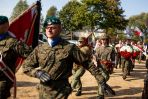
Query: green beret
point(3, 19)
point(51, 20)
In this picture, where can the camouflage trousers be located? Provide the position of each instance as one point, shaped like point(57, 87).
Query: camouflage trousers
point(118, 60)
point(126, 66)
point(54, 90)
point(76, 81)
point(106, 76)
point(5, 89)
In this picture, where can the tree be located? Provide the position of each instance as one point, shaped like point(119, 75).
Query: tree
point(105, 13)
point(67, 16)
point(140, 21)
point(52, 11)
point(20, 7)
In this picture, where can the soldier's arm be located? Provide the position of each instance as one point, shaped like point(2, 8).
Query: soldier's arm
point(86, 62)
point(21, 48)
point(31, 63)
point(94, 70)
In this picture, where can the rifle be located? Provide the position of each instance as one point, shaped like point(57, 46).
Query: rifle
point(8, 72)
point(104, 86)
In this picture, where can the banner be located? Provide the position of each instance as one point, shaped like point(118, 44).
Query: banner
point(26, 27)
point(138, 32)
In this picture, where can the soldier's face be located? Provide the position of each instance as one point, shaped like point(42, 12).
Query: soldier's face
point(4, 27)
point(103, 41)
point(53, 31)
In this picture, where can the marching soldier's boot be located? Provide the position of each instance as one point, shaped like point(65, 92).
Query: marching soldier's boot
point(124, 77)
point(100, 97)
point(78, 93)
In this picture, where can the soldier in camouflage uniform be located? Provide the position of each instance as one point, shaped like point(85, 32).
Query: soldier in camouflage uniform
point(127, 63)
point(52, 63)
point(118, 56)
point(78, 71)
point(106, 55)
point(10, 49)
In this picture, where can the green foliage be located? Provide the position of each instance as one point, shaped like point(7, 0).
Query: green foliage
point(121, 36)
point(140, 21)
point(105, 14)
point(68, 16)
point(20, 7)
point(52, 11)
point(135, 38)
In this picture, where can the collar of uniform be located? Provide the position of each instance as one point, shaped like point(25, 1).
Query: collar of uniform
point(4, 35)
point(57, 46)
point(53, 42)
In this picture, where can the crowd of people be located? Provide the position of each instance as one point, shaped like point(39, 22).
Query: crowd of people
point(54, 61)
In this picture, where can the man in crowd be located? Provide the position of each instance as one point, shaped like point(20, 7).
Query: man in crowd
point(118, 56)
point(10, 49)
point(106, 55)
point(52, 63)
point(78, 71)
point(126, 62)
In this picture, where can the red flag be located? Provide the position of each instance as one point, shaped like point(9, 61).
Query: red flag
point(138, 32)
point(26, 27)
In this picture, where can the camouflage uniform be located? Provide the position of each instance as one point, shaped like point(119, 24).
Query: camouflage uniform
point(118, 56)
point(78, 71)
point(10, 49)
point(126, 64)
point(105, 53)
point(58, 62)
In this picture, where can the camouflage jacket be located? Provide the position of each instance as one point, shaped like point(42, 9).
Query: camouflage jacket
point(106, 53)
point(58, 61)
point(11, 49)
point(86, 50)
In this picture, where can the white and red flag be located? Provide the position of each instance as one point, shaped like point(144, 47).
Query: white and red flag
point(138, 32)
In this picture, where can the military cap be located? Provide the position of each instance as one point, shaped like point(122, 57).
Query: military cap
point(81, 39)
point(104, 36)
point(3, 19)
point(51, 20)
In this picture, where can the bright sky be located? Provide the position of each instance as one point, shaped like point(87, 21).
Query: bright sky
point(131, 7)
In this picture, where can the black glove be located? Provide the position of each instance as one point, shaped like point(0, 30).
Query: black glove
point(106, 88)
point(43, 76)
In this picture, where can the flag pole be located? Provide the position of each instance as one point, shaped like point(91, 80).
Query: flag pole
point(37, 25)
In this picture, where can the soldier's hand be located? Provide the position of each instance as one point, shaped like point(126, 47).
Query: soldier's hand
point(43, 76)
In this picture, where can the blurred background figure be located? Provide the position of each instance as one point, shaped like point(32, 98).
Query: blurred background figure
point(78, 70)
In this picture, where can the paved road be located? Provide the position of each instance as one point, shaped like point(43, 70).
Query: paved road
point(129, 89)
